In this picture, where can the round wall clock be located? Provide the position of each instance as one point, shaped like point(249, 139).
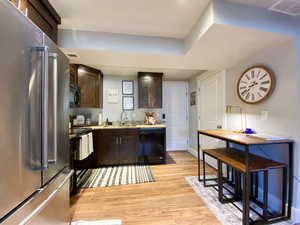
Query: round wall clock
point(255, 84)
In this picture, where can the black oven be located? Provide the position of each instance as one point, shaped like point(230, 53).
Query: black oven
point(74, 96)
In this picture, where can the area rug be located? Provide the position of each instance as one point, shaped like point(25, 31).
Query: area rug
point(118, 175)
point(100, 222)
point(227, 214)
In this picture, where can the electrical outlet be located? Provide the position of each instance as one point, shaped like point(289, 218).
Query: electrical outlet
point(264, 115)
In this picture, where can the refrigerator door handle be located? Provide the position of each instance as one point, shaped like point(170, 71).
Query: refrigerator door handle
point(45, 55)
point(45, 86)
point(54, 56)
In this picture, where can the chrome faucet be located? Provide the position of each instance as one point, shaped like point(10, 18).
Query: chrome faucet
point(124, 117)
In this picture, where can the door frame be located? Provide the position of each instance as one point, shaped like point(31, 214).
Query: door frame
point(200, 93)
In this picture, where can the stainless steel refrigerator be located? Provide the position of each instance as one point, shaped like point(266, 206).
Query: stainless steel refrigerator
point(34, 115)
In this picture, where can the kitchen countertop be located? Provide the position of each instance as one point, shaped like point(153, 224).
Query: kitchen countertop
point(125, 127)
point(76, 132)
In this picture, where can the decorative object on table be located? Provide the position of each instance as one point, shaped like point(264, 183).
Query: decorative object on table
point(127, 87)
point(230, 109)
point(98, 222)
point(118, 175)
point(227, 214)
point(112, 95)
point(255, 84)
point(128, 103)
point(193, 98)
point(249, 131)
point(150, 119)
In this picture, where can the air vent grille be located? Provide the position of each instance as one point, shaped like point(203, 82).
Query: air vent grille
point(289, 7)
point(73, 55)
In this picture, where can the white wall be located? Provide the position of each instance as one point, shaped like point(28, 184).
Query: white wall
point(110, 110)
point(282, 105)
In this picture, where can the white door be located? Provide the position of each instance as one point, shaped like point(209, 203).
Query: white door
point(211, 108)
point(175, 109)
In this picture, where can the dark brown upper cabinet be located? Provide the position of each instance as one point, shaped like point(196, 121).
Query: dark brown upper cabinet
point(90, 81)
point(150, 90)
point(42, 14)
point(73, 74)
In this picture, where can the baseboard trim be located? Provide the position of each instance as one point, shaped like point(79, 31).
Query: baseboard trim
point(295, 215)
point(193, 151)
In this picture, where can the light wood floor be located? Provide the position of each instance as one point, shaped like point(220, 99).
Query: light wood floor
point(168, 201)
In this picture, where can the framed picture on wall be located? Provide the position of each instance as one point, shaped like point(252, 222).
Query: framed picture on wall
point(112, 95)
point(193, 98)
point(127, 87)
point(128, 103)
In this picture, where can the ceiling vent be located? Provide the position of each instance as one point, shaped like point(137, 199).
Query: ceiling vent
point(289, 7)
point(72, 55)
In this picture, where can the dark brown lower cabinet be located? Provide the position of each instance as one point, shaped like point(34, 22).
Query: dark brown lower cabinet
point(116, 146)
point(128, 147)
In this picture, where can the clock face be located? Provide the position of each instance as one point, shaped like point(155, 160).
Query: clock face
point(255, 85)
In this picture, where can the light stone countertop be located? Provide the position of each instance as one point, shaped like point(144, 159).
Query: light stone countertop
point(126, 127)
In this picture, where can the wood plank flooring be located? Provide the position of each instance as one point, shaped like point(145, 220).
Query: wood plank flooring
point(168, 201)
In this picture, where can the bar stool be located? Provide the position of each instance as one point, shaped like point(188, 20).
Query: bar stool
point(233, 159)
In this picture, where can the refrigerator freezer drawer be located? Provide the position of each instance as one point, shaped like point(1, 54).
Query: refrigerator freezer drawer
point(38, 209)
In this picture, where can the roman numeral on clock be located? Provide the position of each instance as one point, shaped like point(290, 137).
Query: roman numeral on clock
point(265, 82)
point(263, 89)
point(244, 92)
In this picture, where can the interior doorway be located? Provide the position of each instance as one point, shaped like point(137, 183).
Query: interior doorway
point(175, 110)
point(211, 108)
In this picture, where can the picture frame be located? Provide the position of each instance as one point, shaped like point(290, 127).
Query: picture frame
point(193, 98)
point(127, 87)
point(128, 103)
point(112, 96)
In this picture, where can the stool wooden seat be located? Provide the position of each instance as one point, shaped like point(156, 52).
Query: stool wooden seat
point(236, 159)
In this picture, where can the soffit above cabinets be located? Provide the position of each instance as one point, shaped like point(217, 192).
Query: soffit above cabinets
point(161, 18)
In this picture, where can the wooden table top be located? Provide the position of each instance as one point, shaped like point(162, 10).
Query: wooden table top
point(240, 138)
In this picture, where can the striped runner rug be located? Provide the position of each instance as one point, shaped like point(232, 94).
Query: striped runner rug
point(118, 175)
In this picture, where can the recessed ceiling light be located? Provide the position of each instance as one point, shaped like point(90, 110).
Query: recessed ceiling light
point(289, 7)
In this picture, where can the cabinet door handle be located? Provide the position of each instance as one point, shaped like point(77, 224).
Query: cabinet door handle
point(117, 140)
point(120, 140)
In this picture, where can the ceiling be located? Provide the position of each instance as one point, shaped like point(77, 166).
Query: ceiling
point(169, 74)
point(162, 18)
point(209, 53)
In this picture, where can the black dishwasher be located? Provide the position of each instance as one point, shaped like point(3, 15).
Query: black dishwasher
point(152, 147)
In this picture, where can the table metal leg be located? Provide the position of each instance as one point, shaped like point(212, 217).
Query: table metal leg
point(291, 178)
point(220, 181)
point(198, 156)
point(284, 190)
point(266, 190)
point(246, 190)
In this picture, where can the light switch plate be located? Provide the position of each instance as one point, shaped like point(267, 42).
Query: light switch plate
point(264, 115)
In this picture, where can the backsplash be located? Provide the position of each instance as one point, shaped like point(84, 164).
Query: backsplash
point(136, 115)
